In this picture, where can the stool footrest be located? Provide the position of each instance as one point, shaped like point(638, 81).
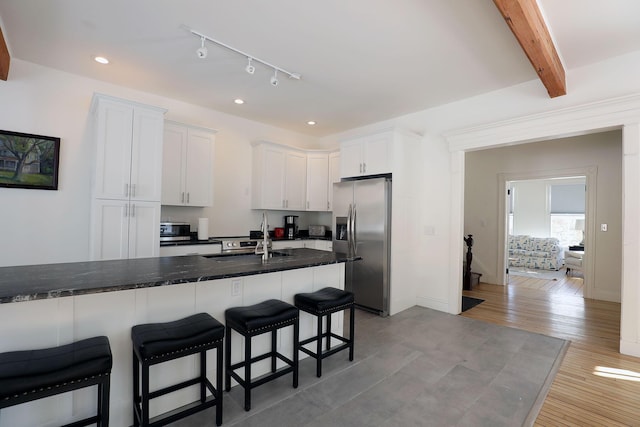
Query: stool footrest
point(176, 387)
point(181, 412)
point(325, 353)
point(263, 379)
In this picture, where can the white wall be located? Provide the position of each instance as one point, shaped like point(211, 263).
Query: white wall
point(41, 226)
point(522, 113)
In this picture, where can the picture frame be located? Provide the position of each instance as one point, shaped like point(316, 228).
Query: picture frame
point(29, 161)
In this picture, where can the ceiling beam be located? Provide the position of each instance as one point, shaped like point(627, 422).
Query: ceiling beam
point(526, 23)
point(5, 59)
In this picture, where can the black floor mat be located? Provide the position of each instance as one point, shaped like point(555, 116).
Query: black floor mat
point(469, 302)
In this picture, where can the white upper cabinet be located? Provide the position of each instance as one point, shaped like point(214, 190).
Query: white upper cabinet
point(317, 179)
point(279, 177)
point(187, 171)
point(370, 155)
point(125, 214)
point(129, 150)
point(334, 176)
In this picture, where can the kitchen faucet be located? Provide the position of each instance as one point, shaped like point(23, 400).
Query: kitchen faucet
point(265, 239)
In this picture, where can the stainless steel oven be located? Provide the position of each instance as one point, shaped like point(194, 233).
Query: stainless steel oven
point(238, 245)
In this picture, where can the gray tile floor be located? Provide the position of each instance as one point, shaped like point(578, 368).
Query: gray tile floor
point(418, 368)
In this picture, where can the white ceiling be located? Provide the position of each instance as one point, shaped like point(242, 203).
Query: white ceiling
point(361, 61)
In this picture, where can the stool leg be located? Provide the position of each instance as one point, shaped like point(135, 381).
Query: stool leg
point(296, 344)
point(247, 373)
point(145, 394)
point(319, 348)
point(328, 345)
point(203, 376)
point(274, 348)
point(219, 385)
point(351, 331)
point(103, 402)
point(227, 352)
point(136, 389)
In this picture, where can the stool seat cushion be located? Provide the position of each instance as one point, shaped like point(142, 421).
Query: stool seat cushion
point(261, 316)
point(157, 339)
point(326, 299)
point(30, 370)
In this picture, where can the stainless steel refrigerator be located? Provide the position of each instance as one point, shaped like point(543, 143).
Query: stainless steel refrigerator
point(362, 227)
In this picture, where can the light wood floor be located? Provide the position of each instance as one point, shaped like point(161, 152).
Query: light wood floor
point(578, 397)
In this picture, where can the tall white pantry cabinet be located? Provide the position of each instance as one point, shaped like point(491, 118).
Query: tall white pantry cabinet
point(125, 212)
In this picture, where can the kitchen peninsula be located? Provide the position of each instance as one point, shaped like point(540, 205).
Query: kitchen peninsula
point(48, 305)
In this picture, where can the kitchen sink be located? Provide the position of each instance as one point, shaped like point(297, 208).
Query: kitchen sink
point(237, 257)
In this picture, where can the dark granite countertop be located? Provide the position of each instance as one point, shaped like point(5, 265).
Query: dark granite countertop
point(31, 282)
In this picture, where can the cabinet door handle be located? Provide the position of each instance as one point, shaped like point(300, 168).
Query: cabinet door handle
point(133, 190)
point(126, 211)
point(364, 168)
point(188, 197)
point(360, 167)
point(133, 211)
point(182, 198)
point(328, 206)
point(126, 190)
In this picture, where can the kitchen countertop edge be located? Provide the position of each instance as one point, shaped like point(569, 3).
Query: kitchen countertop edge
point(46, 281)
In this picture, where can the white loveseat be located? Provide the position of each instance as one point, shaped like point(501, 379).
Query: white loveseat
point(543, 253)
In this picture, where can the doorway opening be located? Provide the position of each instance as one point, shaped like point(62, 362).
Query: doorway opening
point(545, 233)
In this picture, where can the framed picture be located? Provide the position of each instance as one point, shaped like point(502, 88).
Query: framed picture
point(29, 161)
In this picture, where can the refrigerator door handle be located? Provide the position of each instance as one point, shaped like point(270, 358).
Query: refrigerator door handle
point(349, 249)
point(354, 238)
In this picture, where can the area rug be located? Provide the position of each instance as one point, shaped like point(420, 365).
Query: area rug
point(537, 274)
point(470, 302)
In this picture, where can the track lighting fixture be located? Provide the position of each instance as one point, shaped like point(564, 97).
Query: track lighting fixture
point(250, 68)
point(202, 50)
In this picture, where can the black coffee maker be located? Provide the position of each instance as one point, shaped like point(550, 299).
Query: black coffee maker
point(290, 226)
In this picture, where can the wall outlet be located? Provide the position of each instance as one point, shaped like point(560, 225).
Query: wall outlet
point(603, 227)
point(235, 287)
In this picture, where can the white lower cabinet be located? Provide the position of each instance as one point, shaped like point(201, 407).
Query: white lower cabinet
point(287, 244)
point(323, 245)
point(123, 229)
point(180, 250)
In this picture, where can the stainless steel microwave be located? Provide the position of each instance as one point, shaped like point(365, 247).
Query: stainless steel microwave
point(174, 231)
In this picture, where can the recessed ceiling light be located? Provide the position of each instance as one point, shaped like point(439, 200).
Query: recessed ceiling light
point(238, 101)
point(311, 122)
point(101, 60)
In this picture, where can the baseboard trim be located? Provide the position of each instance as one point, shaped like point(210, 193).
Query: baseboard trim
point(436, 304)
point(630, 348)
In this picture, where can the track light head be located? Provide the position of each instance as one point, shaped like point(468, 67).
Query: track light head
point(202, 50)
point(274, 78)
point(250, 68)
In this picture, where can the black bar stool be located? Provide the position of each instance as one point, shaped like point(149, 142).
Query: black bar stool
point(35, 374)
point(250, 321)
point(321, 304)
point(155, 343)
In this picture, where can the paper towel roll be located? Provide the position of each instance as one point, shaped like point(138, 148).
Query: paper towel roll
point(203, 228)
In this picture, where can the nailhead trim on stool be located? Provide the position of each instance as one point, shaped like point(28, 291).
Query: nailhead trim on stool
point(267, 316)
point(35, 374)
point(155, 343)
point(323, 303)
